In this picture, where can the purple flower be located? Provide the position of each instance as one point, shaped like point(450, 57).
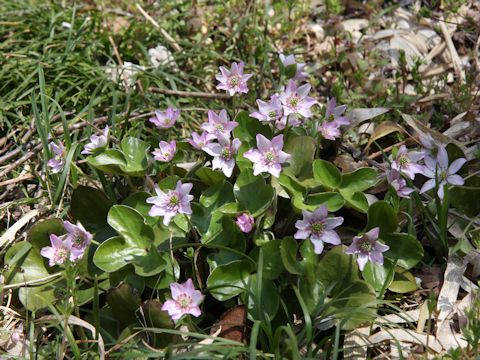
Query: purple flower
point(57, 162)
point(367, 248)
point(96, 142)
point(79, 237)
point(219, 124)
point(296, 100)
point(171, 203)
point(439, 171)
point(245, 222)
point(318, 227)
point(224, 154)
point(289, 60)
point(268, 111)
point(330, 130)
point(199, 141)
point(405, 162)
point(399, 184)
point(269, 155)
point(60, 251)
point(185, 300)
point(233, 80)
point(165, 119)
point(166, 152)
point(335, 113)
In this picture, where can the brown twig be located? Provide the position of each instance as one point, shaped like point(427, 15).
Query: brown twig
point(189, 93)
point(17, 179)
point(457, 63)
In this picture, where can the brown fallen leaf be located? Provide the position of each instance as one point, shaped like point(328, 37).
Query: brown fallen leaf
point(383, 129)
point(232, 324)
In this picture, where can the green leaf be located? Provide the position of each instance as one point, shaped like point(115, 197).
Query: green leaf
point(379, 276)
point(326, 174)
point(209, 176)
point(337, 269)
point(135, 152)
point(263, 305)
point(159, 319)
point(152, 263)
point(357, 200)
point(124, 302)
point(465, 198)
point(24, 264)
point(217, 195)
point(108, 161)
point(138, 201)
point(272, 263)
point(354, 305)
point(405, 248)
point(288, 252)
point(137, 237)
point(359, 180)
point(39, 234)
point(115, 253)
point(130, 225)
point(248, 128)
point(382, 215)
point(37, 297)
point(403, 282)
point(229, 280)
point(252, 193)
point(291, 185)
point(302, 151)
point(332, 200)
point(90, 206)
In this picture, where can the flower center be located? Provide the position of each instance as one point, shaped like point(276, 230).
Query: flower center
point(332, 117)
point(226, 153)
point(60, 256)
point(233, 81)
point(166, 154)
point(443, 175)
point(365, 246)
point(78, 240)
point(219, 127)
point(173, 201)
point(318, 227)
point(270, 157)
point(293, 101)
point(184, 301)
point(403, 160)
point(272, 114)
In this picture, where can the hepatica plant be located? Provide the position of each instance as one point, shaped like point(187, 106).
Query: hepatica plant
point(246, 209)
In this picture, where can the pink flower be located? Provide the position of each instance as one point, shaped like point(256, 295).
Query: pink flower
point(165, 119)
point(166, 152)
point(80, 237)
point(60, 251)
point(430, 147)
point(330, 130)
point(405, 162)
point(199, 141)
point(269, 155)
point(96, 142)
point(439, 171)
point(318, 227)
point(367, 248)
point(296, 100)
point(233, 80)
point(245, 222)
point(399, 184)
point(289, 60)
point(58, 161)
point(171, 203)
point(224, 154)
point(268, 111)
point(185, 300)
point(219, 124)
point(330, 127)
